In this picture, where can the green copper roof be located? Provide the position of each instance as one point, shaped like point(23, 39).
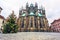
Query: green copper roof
point(31, 13)
point(40, 14)
point(24, 14)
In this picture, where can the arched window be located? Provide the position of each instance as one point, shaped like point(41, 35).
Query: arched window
point(3, 22)
point(22, 25)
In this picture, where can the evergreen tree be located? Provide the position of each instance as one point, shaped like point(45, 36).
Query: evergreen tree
point(10, 26)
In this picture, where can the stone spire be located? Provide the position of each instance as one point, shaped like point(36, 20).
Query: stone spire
point(27, 5)
point(36, 5)
point(31, 5)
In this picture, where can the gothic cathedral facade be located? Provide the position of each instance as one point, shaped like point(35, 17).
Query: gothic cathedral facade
point(32, 19)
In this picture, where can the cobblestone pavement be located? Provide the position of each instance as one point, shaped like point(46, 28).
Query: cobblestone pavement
point(30, 36)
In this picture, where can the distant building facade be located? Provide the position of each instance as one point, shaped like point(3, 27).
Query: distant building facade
point(32, 19)
point(2, 19)
point(55, 26)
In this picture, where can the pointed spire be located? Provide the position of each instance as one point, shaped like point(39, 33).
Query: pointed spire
point(41, 7)
point(27, 5)
point(31, 5)
point(20, 11)
point(22, 8)
point(36, 5)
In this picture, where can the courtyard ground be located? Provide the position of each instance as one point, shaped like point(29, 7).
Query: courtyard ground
point(30, 36)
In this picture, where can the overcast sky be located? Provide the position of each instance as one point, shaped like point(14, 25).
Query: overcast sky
point(52, 7)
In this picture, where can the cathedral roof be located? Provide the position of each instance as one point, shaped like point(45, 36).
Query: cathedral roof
point(31, 13)
point(24, 14)
point(39, 14)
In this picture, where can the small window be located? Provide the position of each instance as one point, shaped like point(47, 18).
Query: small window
point(3, 21)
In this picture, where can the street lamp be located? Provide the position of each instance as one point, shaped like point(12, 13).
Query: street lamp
point(0, 9)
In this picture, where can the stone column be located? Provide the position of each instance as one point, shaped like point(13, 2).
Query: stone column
point(20, 24)
point(29, 22)
point(24, 22)
point(33, 23)
point(38, 24)
point(42, 22)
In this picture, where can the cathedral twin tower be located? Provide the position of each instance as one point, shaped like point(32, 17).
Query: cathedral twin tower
point(32, 19)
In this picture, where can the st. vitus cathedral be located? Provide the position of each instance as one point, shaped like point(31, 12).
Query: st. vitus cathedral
point(32, 19)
